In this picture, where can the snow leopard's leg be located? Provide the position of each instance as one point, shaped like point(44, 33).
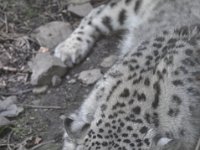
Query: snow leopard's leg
point(119, 14)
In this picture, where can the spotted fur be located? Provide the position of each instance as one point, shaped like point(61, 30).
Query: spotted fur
point(150, 99)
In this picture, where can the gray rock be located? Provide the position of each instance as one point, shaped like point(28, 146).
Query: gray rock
point(44, 67)
point(51, 34)
point(80, 10)
point(56, 80)
point(109, 61)
point(8, 107)
point(4, 121)
point(40, 90)
point(90, 76)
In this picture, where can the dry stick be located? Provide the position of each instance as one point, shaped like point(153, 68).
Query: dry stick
point(42, 144)
point(41, 107)
point(12, 69)
point(6, 22)
point(6, 145)
point(9, 137)
point(16, 93)
point(198, 145)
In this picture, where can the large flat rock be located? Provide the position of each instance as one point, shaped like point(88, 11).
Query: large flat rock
point(51, 34)
point(44, 67)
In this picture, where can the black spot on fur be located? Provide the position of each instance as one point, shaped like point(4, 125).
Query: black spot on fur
point(122, 16)
point(177, 83)
point(118, 105)
point(188, 52)
point(159, 39)
point(146, 141)
point(98, 30)
point(193, 91)
point(141, 97)
point(148, 63)
point(125, 135)
point(127, 1)
point(147, 82)
point(99, 136)
point(113, 4)
point(126, 141)
point(138, 54)
point(129, 128)
point(79, 39)
point(136, 81)
point(152, 119)
point(173, 112)
point(169, 60)
point(131, 102)
point(122, 124)
point(155, 52)
point(81, 32)
point(88, 41)
point(188, 62)
point(149, 57)
point(107, 21)
point(143, 130)
point(105, 144)
point(125, 93)
point(157, 45)
point(134, 135)
point(155, 103)
point(136, 110)
point(107, 124)
point(183, 69)
point(99, 122)
point(90, 23)
point(172, 41)
point(176, 99)
point(103, 107)
point(137, 6)
point(138, 140)
point(165, 32)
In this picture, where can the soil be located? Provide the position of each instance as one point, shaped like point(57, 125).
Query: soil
point(39, 128)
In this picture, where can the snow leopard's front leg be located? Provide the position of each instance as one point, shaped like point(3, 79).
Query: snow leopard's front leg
point(118, 14)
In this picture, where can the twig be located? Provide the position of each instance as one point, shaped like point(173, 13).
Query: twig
point(198, 145)
point(12, 69)
point(16, 93)
point(42, 144)
point(41, 107)
point(6, 145)
point(6, 22)
point(9, 137)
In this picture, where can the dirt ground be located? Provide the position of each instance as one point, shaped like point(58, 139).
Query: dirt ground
point(39, 127)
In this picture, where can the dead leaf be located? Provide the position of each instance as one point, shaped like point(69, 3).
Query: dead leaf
point(43, 50)
point(38, 140)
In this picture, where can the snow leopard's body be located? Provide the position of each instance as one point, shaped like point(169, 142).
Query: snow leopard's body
point(150, 99)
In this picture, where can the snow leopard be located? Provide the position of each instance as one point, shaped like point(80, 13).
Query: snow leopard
point(150, 98)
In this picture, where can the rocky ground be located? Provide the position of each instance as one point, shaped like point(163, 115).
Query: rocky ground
point(32, 108)
point(33, 100)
